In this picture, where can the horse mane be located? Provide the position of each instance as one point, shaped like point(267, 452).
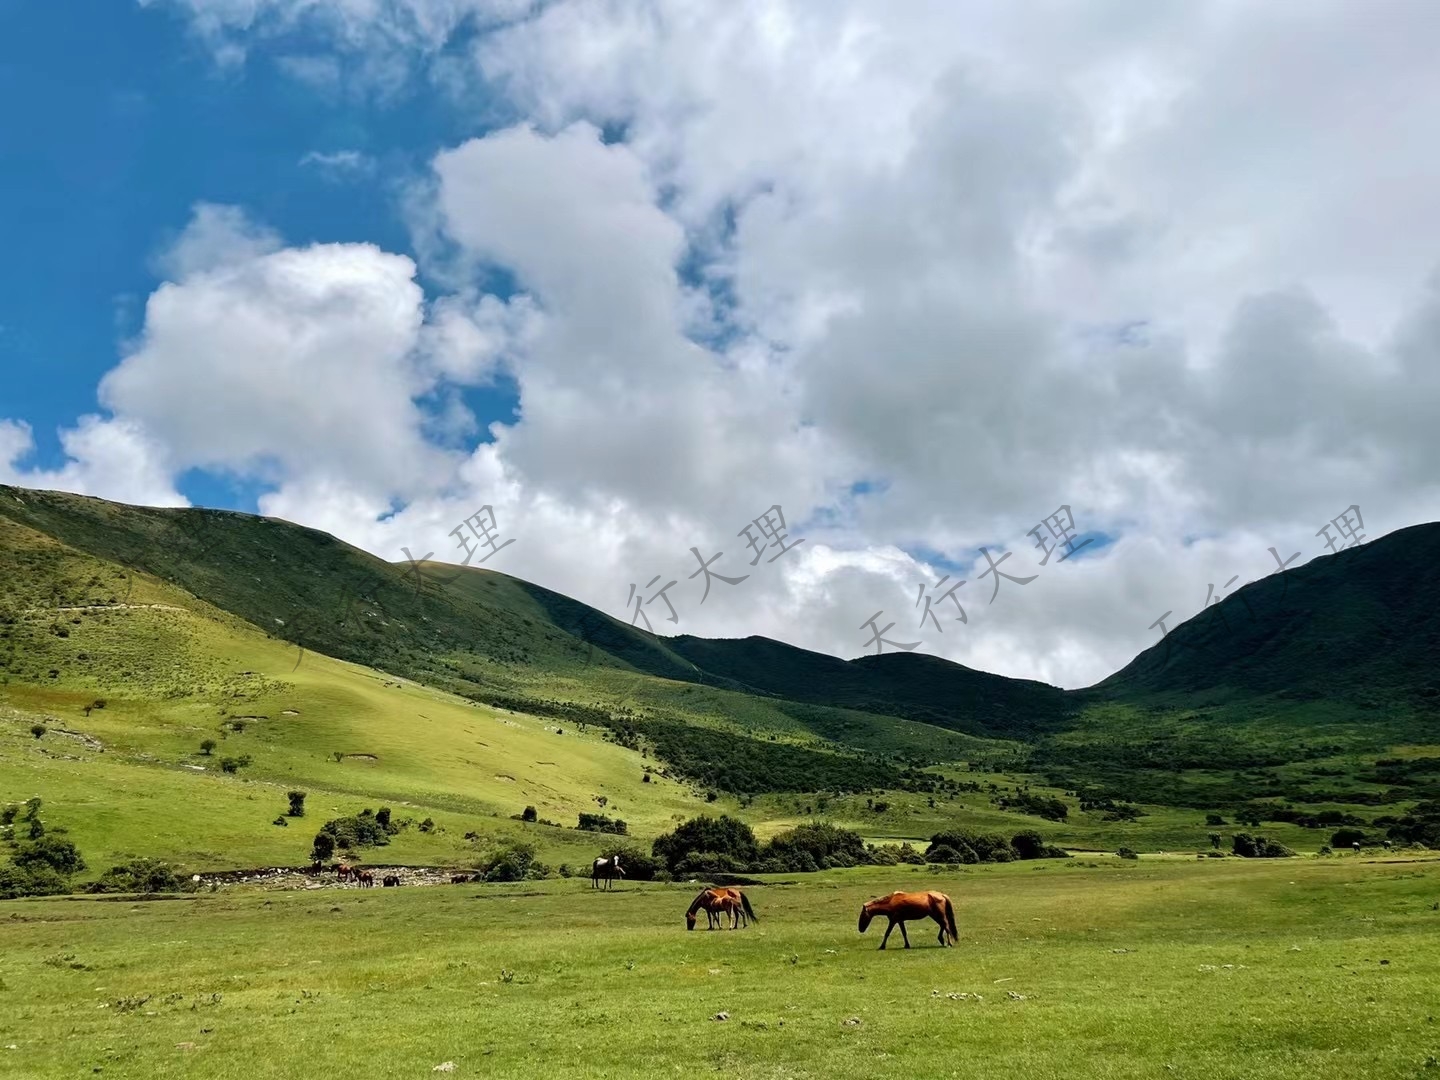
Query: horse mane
point(699, 899)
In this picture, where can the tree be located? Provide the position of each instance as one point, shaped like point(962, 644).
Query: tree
point(324, 846)
point(37, 730)
point(297, 803)
point(207, 746)
point(1344, 838)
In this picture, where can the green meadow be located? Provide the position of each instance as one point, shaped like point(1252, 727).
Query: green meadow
point(1210, 969)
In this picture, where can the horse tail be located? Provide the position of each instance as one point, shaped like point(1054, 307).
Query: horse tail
point(950, 922)
point(749, 911)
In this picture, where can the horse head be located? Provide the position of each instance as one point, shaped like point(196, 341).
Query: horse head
point(865, 918)
point(690, 920)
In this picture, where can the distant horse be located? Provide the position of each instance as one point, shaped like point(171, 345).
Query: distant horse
point(717, 901)
point(899, 907)
point(459, 879)
point(343, 872)
point(389, 879)
point(317, 867)
point(609, 869)
point(365, 878)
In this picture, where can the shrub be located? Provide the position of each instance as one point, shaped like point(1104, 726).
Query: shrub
point(511, 863)
point(1028, 844)
point(207, 746)
point(297, 803)
point(324, 847)
point(237, 726)
point(52, 852)
point(529, 814)
point(362, 830)
point(382, 818)
point(706, 864)
point(942, 854)
point(883, 855)
point(1257, 847)
point(281, 821)
point(1344, 838)
point(722, 836)
point(564, 870)
point(983, 846)
point(427, 826)
point(39, 880)
point(229, 765)
point(1215, 839)
point(37, 730)
point(1214, 819)
point(601, 823)
point(7, 816)
point(1127, 853)
point(826, 846)
point(910, 856)
point(138, 876)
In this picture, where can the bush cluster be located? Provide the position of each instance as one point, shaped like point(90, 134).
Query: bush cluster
point(601, 823)
point(368, 828)
point(708, 846)
point(1257, 847)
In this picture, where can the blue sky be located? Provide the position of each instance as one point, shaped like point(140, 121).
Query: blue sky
point(127, 123)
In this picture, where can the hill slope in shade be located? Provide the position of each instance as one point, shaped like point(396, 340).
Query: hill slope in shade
point(1360, 626)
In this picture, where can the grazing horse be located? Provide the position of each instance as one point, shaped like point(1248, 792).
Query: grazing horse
point(716, 901)
point(390, 879)
point(609, 869)
point(317, 867)
point(343, 872)
point(899, 907)
point(459, 879)
point(365, 878)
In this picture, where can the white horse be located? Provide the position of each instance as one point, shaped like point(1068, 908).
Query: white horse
point(609, 869)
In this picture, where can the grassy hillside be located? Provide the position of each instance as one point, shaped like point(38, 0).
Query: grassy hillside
point(457, 684)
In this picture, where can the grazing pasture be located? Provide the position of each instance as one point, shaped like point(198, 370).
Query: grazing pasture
point(1213, 969)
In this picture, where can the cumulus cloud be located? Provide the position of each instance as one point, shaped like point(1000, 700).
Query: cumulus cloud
point(918, 279)
point(110, 458)
point(339, 164)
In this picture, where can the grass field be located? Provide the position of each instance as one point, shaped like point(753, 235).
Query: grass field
point(1163, 968)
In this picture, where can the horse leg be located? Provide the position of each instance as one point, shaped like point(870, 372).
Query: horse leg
point(887, 933)
point(904, 935)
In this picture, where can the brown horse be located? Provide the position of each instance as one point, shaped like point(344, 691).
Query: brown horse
point(390, 880)
point(365, 878)
point(460, 879)
point(716, 902)
point(899, 907)
point(343, 872)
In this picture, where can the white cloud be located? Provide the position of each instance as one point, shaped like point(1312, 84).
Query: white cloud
point(339, 164)
point(112, 459)
point(921, 238)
